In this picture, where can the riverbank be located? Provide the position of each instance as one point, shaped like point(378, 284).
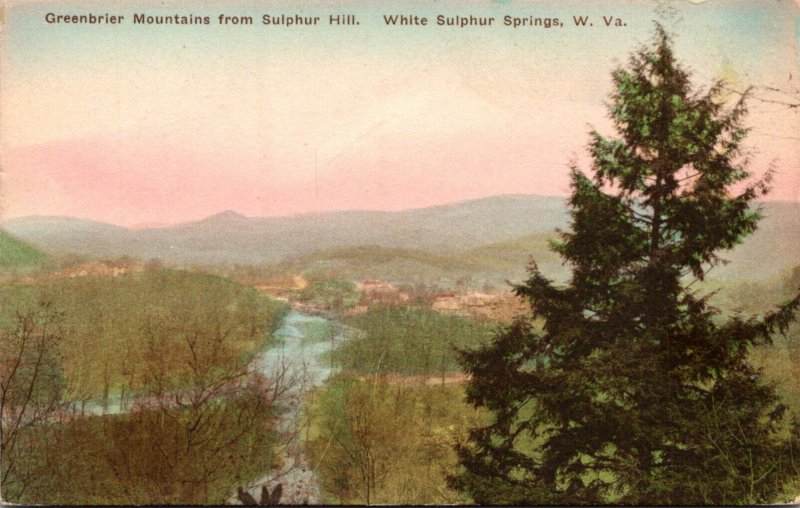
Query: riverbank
point(298, 362)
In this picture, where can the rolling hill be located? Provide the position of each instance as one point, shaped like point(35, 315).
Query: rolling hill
point(15, 253)
point(492, 264)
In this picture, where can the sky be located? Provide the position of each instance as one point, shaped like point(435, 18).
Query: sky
point(144, 124)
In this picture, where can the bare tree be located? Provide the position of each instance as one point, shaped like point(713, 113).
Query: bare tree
point(31, 386)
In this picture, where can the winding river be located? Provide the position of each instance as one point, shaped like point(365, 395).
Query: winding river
point(303, 344)
point(301, 358)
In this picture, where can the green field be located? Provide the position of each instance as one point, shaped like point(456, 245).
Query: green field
point(15, 253)
point(412, 341)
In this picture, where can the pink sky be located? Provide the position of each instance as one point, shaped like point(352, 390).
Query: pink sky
point(134, 126)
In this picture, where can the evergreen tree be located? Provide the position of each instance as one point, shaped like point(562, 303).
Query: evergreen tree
point(626, 385)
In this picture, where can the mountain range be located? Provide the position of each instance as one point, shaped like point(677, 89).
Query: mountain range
point(501, 224)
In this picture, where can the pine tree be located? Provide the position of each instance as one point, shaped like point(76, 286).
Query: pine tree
point(626, 385)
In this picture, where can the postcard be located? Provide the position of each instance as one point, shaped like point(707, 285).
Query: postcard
point(495, 252)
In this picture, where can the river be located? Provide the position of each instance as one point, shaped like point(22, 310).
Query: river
point(303, 343)
point(300, 357)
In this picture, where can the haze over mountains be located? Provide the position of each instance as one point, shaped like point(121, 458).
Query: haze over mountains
point(503, 226)
point(231, 237)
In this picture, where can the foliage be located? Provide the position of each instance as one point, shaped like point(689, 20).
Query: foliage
point(154, 456)
point(779, 361)
point(636, 389)
point(192, 420)
point(314, 331)
point(15, 253)
point(31, 387)
point(336, 295)
point(376, 442)
point(407, 340)
point(126, 333)
point(491, 264)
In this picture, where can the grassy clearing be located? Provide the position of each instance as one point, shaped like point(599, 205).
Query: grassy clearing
point(15, 253)
point(412, 340)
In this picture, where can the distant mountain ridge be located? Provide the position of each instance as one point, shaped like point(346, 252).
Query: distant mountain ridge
point(446, 230)
point(233, 238)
